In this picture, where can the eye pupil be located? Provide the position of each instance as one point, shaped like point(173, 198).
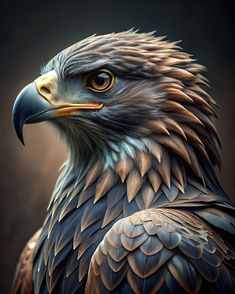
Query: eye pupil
point(100, 79)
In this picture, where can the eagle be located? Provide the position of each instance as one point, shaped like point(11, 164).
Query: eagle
point(137, 207)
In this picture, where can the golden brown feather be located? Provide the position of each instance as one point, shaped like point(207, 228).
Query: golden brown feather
point(23, 279)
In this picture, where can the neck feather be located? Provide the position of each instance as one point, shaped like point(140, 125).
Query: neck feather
point(150, 172)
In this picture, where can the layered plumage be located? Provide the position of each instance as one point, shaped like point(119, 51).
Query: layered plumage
point(137, 207)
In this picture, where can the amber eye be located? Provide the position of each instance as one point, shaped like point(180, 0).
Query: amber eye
point(100, 81)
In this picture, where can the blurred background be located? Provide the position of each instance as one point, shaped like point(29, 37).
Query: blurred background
point(32, 32)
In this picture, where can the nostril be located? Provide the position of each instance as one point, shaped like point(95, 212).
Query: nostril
point(45, 90)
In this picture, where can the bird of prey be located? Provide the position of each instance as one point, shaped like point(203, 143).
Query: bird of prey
point(137, 207)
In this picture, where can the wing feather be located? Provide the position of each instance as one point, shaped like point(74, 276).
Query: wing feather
point(23, 279)
point(160, 251)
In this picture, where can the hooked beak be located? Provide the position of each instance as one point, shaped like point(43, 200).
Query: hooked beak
point(36, 103)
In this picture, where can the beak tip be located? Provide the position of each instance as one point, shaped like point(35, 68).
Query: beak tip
point(28, 104)
point(19, 131)
point(21, 140)
point(18, 123)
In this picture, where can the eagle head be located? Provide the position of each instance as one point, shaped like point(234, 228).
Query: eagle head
point(111, 96)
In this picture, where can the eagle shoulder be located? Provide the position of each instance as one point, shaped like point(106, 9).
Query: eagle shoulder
point(23, 278)
point(154, 250)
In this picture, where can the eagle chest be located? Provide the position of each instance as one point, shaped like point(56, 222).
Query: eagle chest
point(73, 229)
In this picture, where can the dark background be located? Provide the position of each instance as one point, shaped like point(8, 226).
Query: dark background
point(33, 32)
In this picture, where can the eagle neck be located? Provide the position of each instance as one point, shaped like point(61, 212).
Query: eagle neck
point(149, 173)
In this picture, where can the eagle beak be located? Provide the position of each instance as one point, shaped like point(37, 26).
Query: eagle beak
point(36, 103)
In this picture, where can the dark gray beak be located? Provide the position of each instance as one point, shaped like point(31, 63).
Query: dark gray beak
point(37, 102)
point(29, 107)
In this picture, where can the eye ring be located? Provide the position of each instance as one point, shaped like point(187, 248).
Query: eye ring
point(100, 80)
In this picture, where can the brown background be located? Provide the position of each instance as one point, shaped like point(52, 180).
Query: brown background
point(32, 32)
